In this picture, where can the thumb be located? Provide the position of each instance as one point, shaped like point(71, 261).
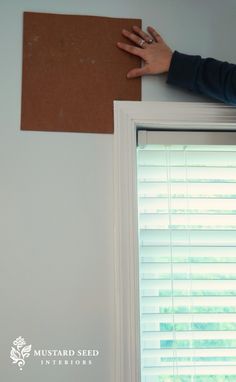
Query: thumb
point(137, 72)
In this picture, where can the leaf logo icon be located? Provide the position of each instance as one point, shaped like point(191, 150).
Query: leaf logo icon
point(20, 351)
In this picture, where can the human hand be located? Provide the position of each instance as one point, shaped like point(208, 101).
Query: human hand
point(155, 53)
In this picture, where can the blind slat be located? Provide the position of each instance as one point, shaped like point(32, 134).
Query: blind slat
point(194, 335)
point(157, 318)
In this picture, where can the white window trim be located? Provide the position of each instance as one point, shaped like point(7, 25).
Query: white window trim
point(127, 117)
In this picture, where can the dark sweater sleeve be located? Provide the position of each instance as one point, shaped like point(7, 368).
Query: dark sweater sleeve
point(208, 76)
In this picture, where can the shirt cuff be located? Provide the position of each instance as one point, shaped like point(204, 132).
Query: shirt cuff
point(183, 70)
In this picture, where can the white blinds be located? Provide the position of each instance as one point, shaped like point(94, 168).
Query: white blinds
point(187, 247)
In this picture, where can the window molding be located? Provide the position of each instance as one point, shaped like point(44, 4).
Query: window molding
point(128, 116)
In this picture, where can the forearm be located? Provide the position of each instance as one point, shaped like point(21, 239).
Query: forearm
point(207, 76)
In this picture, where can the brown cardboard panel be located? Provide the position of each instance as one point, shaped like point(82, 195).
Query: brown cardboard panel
point(72, 72)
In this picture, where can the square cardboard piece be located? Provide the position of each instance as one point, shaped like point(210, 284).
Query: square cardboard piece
point(73, 71)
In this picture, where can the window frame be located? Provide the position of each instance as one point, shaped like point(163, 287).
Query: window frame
point(128, 117)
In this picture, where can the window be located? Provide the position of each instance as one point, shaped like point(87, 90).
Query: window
point(187, 251)
point(177, 292)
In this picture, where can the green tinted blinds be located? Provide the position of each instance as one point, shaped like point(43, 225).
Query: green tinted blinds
point(187, 249)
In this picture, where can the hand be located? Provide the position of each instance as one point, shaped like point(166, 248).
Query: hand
point(152, 49)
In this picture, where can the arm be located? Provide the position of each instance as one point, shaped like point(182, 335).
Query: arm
point(208, 76)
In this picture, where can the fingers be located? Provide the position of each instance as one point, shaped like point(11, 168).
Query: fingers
point(157, 37)
point(137, 72)
point(134, 38)
point(130, 49)
point(140, 36)
point(146, 37)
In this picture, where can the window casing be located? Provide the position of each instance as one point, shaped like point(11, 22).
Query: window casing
point(129, 116)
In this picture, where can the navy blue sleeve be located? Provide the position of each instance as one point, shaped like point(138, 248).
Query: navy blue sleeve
point(208, 76)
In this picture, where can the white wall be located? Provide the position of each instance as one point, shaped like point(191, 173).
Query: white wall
point(56, 238)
